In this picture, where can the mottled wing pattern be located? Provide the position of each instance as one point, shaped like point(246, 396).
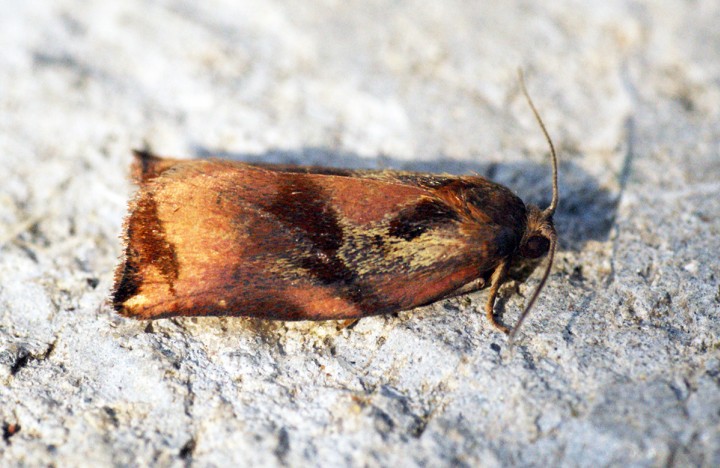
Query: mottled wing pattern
point(224, 238)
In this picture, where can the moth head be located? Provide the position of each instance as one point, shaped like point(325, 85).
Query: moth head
point(539, 235)
point(540, 238)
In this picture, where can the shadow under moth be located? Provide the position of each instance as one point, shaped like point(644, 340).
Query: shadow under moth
point(218, 237)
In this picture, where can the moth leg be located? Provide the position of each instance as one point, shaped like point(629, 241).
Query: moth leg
point(474, 285)
point(347, 324)
point(495, 281)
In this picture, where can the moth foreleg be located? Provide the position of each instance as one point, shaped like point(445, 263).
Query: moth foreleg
point(495, 281)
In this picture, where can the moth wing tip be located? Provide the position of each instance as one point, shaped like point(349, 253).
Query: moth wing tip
point(129, 308)
point(146, 165)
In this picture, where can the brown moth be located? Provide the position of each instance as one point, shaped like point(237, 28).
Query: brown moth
point(216, 237)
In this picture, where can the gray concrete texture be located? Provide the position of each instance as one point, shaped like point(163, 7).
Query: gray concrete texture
point(619, 363)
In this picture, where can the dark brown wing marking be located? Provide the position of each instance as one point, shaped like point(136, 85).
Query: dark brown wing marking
point(305, 210)
point(421, 217)
point(146, 245)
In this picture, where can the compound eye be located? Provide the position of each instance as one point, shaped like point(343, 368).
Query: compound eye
point(535, 247)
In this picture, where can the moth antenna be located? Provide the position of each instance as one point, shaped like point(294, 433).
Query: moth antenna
point(550, 210)
point(551, 256)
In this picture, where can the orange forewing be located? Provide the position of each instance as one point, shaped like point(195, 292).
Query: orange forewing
point(214, 237)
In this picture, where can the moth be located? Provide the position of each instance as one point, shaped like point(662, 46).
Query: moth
point(226, 238)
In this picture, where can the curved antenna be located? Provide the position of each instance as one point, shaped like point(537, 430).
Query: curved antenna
point(550, 210)
point(551, 256)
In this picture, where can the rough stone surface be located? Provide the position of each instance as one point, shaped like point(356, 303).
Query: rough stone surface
point(620, 363)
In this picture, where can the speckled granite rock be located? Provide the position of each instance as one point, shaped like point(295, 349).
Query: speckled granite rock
point(620, 363)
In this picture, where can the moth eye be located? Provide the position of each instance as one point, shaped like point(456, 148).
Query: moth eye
point(535, 247)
